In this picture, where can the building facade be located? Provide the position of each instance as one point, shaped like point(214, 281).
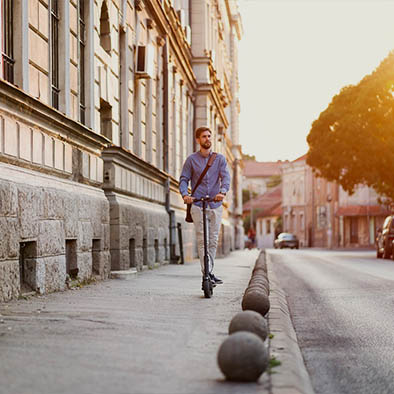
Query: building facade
point(294, 199)
point(359, 215)
point(258, 175)
point(268, 219)
point(98, 103)
point(322, 214)
point(309, 205)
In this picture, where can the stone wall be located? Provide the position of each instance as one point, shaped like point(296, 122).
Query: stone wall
point(38, 218)
point(139, 234)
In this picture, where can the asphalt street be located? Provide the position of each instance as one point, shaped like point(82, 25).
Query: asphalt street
point(341, 303)
point(152, 334)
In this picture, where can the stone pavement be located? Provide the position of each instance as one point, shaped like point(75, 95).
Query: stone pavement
point(152, 334)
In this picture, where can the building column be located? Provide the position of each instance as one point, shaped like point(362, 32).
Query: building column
point(125, 58)
point(89, 66)
point(64, 59)
point(159, 105)
point(341, 231)
point(21, 32)
point(137, 93)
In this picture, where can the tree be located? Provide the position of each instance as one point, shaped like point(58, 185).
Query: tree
point(352, 141)
point(245, 156)
point(274, 180)
point(247, 194)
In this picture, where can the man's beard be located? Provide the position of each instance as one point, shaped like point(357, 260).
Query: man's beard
point(206, 145)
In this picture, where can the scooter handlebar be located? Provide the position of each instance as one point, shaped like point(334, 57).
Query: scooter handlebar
point(202, 199)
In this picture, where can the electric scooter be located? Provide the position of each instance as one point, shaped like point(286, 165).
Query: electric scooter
point(207, 285)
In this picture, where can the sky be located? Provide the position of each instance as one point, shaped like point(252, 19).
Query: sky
point(294, 56)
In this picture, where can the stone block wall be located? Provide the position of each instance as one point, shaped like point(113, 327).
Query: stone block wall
point(139, 234)
point(37, 220)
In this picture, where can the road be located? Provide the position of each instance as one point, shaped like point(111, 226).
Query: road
point(152, 334)
point(341, 304)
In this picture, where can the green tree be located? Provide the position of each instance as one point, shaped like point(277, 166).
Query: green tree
point(352, 141)
point(246, 195)
point(245, 156)
point(274, 180)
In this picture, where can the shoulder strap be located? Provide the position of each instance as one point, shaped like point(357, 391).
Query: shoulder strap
point(210, 162)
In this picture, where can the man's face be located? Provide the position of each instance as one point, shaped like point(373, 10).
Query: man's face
point(205, 139)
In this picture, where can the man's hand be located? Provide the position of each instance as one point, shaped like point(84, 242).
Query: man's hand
point(188, 199)
point(219, 197)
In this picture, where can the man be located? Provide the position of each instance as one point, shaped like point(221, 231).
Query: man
point(215, 184)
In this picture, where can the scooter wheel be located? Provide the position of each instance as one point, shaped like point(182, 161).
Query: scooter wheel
point(207, 288)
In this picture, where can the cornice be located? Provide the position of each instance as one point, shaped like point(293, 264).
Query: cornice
point(127, 159)
point(234, 17)
point(218, 94)
point(208, 89)
point(167, 24)
point(20, 102)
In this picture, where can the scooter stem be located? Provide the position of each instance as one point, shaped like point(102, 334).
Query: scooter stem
point(204, 219)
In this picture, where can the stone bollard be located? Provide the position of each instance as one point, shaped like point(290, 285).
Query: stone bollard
point(249, 321)
point(243, 357)
point(256, 300)
point(256, 295)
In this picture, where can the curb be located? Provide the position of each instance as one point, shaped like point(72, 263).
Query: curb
point(291, 377)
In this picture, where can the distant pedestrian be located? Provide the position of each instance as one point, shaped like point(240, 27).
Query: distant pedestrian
point(252, 237)
point(215, 184)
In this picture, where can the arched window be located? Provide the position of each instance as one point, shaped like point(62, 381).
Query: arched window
point(105, 37)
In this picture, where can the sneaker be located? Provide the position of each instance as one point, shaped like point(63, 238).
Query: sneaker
point(212, 281)
point(215, 279)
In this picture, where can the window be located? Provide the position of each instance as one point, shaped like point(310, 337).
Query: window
point(268, 224)
point(7, 44)
point(81, 70)
point(105, 36)
point(54, 35)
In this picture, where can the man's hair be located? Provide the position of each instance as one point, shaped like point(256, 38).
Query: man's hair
point(201, 129)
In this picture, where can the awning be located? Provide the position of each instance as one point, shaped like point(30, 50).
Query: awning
point(362, 210)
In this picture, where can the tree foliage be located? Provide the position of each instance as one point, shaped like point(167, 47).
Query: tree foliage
point(247, 195)
point(274, 180)
point(245, 156)
point(352, 141)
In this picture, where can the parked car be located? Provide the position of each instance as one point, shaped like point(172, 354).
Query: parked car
point(384, 238)
point(286, 240)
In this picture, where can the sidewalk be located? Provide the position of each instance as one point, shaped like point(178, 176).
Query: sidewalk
point(152, 334)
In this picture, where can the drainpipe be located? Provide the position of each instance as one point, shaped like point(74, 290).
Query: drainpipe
point(172, 225)
point(165, 107)
point(194, 124)
point(180, 240)
point(171, 213)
